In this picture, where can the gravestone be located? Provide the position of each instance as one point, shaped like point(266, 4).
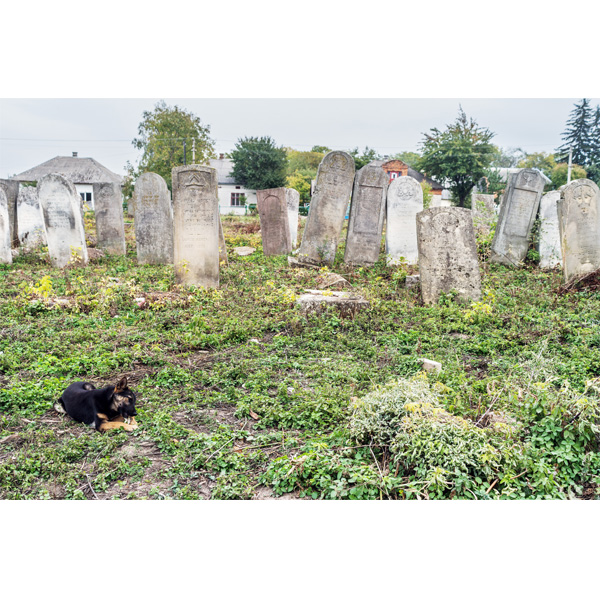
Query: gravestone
point(549, 242)
point(222, 246)
point(29, 218)
point(483, 209)
point(367, 212)
point(196, 225)
point(579, 225)
point(153, 219)
point(293, 204)
point(5, 240)
point(325, 220)
point(62, 214)
point(11, 189)
point(448, 254)
point(274, 221)
point(110, 225)
point(517, 214)
point(404, 201)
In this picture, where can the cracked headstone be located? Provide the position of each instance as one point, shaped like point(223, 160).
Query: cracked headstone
point(5, 233)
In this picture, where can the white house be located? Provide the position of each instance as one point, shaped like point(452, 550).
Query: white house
point(82, 172)
point(233, 199)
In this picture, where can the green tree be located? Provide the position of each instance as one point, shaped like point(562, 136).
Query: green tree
point(577, 135)
point(360, 160)
point(459, 155)
point(162, 132)
point(300, 181)
point(298, 160)
point(258, 163)
point(593, 167)
point(538, 160)
point(560, 171)
point(322, 149)
point(507, 158)
point(408, 158)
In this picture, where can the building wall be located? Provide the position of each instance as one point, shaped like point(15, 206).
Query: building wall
point(225, 191)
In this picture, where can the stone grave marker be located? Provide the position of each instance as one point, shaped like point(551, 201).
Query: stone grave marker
point(549, 242)
point(483, 209)
point(274, 221)
point(62, 214)
point(367, 212)
point(448, 254)
point(5, 239)
point(579, 226)
point(517, 214)
point(293, 204)
point(153, 219)
point(404, 201)
point(11, 189)
point(196, 225)
point(332, 192)
point(110, 225)
point(29, 218)
point(222, 245)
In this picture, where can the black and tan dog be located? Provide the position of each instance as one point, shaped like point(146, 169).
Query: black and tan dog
point(111, 407)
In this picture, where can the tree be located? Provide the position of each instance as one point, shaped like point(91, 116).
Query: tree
point(459, 155)
point(542, 161)
point(408, 158)
point(508, 158)
point(559, 174)
point(593, 166)
point(161, 136)
point(258, 163)
point(322, 149)
point(360, 160)
point(298, 160)
point(577, 135)
point(300, 181)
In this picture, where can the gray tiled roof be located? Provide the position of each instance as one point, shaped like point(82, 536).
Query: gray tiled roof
point(223, 167)
point(77, 170)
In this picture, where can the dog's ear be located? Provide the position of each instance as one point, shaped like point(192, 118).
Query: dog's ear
point(122, 385)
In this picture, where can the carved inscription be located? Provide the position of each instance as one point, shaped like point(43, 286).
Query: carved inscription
point(405, 200)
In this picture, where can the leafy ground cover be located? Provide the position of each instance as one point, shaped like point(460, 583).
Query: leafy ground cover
point(242, 396)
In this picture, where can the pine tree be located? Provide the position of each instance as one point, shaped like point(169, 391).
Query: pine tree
point(594, 158)
point(578, 135)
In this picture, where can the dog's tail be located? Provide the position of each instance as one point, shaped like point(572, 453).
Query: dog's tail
point(60, 406)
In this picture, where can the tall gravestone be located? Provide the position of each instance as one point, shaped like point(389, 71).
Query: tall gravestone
point(483, 209)
point(367, 213)
point(196, 225)
point(110, 225)
point(517, 214)
point(274, 221)
point(153, 219)
point(549, 241)
point(448, 254)
point(11, 189)
point(29, 218)
point(222, 246)
point(62, 214)
point(293, 204)
point(5, 239)
point(328, 205)
point(579, 225)
point(404, 201)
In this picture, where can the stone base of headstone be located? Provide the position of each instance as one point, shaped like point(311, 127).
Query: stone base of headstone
point(317, 301)
point(244, 250)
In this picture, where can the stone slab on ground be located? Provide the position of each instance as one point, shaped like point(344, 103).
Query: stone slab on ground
point(244, 250)
point(431, 365)
point(317, 301)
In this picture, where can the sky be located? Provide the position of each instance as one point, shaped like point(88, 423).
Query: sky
point(36, 129)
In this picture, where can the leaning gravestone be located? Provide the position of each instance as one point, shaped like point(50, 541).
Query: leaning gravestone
point(549, 242)
point(196, 225)
point(447, 254)
point(327, 209)
point(293, 204)
point(62, 213)
point(110, 226)
point(5, 241)
point(11, 189)
point(404, 201)
point(153, 220)
point(579, 224)
point(29, 218)
point(483, 209)
point(274, 221)
point(517, 214)
point(367, 212)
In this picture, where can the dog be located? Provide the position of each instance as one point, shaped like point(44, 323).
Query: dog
point(111, 407)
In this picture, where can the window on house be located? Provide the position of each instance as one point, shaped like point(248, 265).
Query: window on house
point(238, 199)
point(393, 175)
point(86, 196)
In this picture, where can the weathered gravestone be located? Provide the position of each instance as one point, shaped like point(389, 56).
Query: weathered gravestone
point(293, 204)
point(549, 242)
point(483, 209)
point(367, 213)
point(29, 218)
point(62, 213)
point(5, 241)
point(196, 224)
point(517, 214)
point(153, 218)
point(579, 225)
point(222, 245)
point(404, 201)
point(274, 221)
point(11, 189)
point(448, 254)
point(110, 226)
point(327, 209)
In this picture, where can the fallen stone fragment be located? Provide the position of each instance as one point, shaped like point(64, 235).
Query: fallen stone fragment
point(296, 264)
point(317, 301)
point(431, 365)
point(412, 281)
point(95, 253)
point(244, 250)
point(332, 280)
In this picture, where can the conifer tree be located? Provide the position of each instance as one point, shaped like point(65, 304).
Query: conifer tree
point(577, 135)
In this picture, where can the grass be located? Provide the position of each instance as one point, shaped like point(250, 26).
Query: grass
point(242, 396)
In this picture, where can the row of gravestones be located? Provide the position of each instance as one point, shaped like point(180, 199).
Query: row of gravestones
point(52, 214)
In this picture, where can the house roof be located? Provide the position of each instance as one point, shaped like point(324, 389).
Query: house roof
point(411, 173)
point(224, 167)
point(77, 170)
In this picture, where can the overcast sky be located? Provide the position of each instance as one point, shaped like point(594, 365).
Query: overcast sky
point(35, 130)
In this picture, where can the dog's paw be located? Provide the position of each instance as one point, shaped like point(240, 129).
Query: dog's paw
point(58, 407)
